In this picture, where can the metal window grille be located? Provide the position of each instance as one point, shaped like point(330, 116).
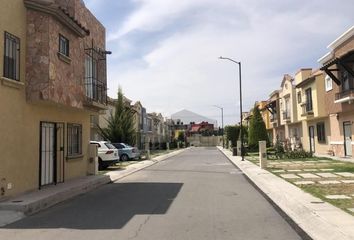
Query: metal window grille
point(321, 136)
point(63, 45)
point(308, 100)
point(74, 139)
point(11, 57)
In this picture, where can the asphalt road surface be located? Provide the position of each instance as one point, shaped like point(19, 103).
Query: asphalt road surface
point(196, 195)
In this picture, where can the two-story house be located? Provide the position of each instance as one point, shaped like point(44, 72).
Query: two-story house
point(338, 64)
point(311, 110)
point(53, 77)
point(288, 115)
point(273, 106)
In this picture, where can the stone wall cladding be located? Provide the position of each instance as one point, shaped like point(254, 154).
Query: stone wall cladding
point(49, 77)
point(37, 57)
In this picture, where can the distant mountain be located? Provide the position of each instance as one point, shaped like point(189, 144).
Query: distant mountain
point(187, 116)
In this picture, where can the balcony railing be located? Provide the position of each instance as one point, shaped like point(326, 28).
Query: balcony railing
point(286, 116)
point(346, 94)
point(307, 110)
point(96, 91)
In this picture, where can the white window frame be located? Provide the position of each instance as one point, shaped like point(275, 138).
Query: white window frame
point(328, 83)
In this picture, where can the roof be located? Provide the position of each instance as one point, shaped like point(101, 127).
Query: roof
point(310, 79)
point(286, 77)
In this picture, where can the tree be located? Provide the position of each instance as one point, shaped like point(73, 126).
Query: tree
point(120, 123)
point(180, 137)
point(257, 130)
point(232, 134)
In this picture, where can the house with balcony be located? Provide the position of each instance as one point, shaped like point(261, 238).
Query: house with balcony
point(53, 78)
point(288, 115)
point(273, 106)
point(338, 64)
point(311, 110)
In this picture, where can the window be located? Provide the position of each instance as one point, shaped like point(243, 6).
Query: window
point(11, 57)
point(299, 97)
point(63, 45)
point(91, 77)
point(308, 100)
point(74, 139)
point(328, 82)
point(321, 136)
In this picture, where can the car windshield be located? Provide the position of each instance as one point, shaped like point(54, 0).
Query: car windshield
point(110, 146)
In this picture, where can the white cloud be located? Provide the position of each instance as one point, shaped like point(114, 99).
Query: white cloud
point(182, 69)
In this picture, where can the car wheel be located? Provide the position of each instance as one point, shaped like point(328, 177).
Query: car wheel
point(124, 157)
point(101, 165)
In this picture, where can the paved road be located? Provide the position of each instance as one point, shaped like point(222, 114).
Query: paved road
point(196, 195)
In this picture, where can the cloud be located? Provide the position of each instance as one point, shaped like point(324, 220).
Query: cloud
point(179, 67)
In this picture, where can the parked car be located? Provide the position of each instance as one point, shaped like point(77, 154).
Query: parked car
point(107, 154)
point(127, 152)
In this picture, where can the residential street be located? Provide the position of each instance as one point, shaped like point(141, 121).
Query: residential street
point(198, 194)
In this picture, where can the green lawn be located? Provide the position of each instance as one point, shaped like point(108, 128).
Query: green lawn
point(316, 165)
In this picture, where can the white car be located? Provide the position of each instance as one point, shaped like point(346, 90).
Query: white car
point(107, 154)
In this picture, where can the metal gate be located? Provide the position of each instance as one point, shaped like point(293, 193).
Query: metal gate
point(51, 165)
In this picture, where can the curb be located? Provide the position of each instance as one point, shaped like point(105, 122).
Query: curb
point(318, 219)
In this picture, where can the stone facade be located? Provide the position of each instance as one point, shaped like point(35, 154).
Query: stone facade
point(50, 76)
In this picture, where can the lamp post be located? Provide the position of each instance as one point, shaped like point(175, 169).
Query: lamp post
point(222, 124)
point(241, 132)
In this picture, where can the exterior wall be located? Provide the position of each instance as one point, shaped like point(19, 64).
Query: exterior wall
point(337, 134)
point(49, 77)
point(339, 112)
point(20, 119)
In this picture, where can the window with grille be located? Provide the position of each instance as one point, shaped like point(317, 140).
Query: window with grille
point(321, 135)
point(11, 57)
point(308, 100)
point(74, 139)
point(63, 45)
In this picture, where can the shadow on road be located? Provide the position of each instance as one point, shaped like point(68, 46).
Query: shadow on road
point(110, 207)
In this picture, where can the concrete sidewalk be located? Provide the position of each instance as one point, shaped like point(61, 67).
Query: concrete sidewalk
point(32, 202)
point(320, 220)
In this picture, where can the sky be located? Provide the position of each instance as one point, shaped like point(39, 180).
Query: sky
point(165, 52)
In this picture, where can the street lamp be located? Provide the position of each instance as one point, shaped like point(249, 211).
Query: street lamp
point(222, 124)
point(239, 71)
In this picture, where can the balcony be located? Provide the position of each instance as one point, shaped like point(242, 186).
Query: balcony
point(345, 96)
point(273, 118)
point(307, 110)
point(286, 116)
point(96, 94)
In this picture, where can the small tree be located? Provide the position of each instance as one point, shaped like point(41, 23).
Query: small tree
point(232, 134)
point(120, 124)
point(257, 130)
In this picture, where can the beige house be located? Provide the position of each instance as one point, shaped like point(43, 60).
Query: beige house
point(48, 90)
point(274, 109)
point(311, 110)
point(338, 64)
point(288, 115)
point(262, 106)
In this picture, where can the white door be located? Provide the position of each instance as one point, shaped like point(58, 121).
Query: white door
point(347, 126)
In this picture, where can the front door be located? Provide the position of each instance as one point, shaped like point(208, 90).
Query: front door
point(51, 153)
point(312, 138)
point(347, 129)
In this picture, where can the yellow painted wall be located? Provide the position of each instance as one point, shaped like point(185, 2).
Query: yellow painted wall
point(20, 120)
